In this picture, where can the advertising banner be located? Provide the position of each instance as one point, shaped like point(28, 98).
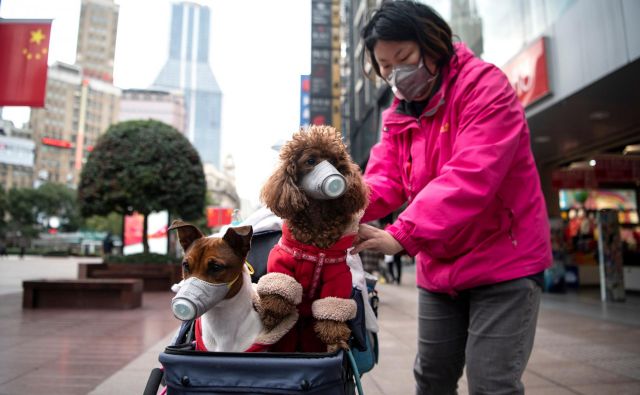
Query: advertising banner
point(324, 103)
point(157, 224)
point(219, 216)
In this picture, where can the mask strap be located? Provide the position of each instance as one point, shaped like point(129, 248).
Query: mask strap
point(249, 267)
point(251, 271)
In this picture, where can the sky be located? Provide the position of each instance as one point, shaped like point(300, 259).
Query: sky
point(258, 51)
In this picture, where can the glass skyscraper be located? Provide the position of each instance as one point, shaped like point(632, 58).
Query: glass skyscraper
point(188, 70)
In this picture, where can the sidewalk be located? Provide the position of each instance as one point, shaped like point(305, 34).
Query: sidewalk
point(582, 346)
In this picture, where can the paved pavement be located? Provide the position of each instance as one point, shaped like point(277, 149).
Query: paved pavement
point(582, 345)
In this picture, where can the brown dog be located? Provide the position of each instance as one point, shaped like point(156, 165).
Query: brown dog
point(218, 288)
point(307, 270)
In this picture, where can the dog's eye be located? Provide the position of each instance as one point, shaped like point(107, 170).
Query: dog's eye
point(311, 161)
point(214, 267)
point(185, 266)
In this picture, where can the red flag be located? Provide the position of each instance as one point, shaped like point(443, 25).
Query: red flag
point(24, 49)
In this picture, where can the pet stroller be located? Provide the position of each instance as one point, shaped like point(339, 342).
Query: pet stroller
point(186, 371)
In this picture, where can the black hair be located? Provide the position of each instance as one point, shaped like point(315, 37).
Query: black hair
point(405, 20)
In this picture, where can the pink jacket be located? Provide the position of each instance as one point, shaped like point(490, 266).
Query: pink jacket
point(476, 214)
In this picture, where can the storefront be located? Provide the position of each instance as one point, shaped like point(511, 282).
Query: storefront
point(599, 227)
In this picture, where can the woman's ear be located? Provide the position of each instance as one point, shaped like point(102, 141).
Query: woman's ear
point(281, 194)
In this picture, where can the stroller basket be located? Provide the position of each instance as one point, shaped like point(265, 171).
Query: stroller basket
point(190, 372)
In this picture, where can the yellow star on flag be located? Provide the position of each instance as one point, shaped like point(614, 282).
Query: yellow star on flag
point(37, 36)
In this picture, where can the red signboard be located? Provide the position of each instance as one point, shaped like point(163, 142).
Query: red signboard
point(607, 170)
point(617, 169)
point(527, 73)
point(56, 142)
point(218, 216)
point(581, 178)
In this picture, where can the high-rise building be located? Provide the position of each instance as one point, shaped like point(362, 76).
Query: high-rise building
point(188, 70)
point(77, 111)
point(97, 38)
point(163, 106)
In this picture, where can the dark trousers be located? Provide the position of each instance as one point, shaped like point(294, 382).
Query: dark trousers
point(490, 328)
point(395, 269)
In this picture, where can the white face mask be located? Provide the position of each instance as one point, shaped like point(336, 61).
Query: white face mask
point(324, 182)
point(410, 81)
point(196, 296)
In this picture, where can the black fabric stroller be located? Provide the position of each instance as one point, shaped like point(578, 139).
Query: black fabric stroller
point(186, 371)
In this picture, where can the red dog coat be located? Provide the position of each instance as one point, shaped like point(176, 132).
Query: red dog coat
point(321, 272)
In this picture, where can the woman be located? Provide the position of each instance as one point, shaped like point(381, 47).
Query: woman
point(455, 147)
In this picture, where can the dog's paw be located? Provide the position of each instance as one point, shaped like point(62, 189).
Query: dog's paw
point(273, 309)
point(334, 334)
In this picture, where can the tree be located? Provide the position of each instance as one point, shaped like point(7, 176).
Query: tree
point(60, 201)
point(22, 205)
point(142, 166)
point(111, 223)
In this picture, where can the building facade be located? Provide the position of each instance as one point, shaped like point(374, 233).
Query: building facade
point(97, 38)
point(77, 111)
point(17, 151)
point(163, 106)
point(188, 70)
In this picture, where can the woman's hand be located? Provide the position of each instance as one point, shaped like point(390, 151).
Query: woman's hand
point(372, 238)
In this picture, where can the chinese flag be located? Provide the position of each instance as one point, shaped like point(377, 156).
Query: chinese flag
point(24, 49)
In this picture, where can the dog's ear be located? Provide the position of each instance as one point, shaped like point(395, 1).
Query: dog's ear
point(187, 233)
point(281, 194)
point(239, 239)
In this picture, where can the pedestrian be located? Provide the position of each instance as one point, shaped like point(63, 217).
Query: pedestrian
point(455, 148)
point(394, 267)
point(3, 249)
point(23, 247)
point(107, 244)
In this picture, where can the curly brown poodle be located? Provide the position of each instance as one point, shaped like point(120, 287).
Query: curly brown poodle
point(312, 221)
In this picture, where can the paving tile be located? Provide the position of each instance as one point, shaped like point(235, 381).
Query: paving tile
point(575, 373)
point(581, 347)
point(72, 351)
point(551, 391)
point(532, 380)
point(632, 388)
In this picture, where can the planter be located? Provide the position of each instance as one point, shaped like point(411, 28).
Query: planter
point(155, 277)
point(82, 294)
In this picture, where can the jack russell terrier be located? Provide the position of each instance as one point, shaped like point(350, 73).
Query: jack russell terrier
point(217, 292)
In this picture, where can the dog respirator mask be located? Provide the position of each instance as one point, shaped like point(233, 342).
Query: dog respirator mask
point(324, 182)
point(195, 297)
